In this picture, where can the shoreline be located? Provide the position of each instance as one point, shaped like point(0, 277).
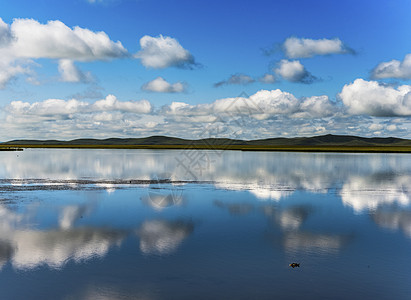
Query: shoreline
point(343, 149)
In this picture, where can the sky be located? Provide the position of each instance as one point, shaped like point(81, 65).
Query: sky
point(198, 69)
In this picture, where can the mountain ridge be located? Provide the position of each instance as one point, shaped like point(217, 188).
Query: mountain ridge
point(321, 140)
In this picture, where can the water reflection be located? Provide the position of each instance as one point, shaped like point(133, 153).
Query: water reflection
point(6, 252)
point(393, 220)
point(313, 242)
point(337, 210)
point(266, 175)
point(54, 248)
point(27, 247)
point(163, 237)
point(235, 208)
point(72, 213)
point(375, 190)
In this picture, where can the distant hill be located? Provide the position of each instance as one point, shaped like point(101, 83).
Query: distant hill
point(324, 140)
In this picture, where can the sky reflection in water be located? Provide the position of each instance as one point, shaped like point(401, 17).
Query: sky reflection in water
point(230, 233)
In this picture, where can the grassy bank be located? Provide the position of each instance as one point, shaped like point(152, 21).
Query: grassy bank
point(353, 149)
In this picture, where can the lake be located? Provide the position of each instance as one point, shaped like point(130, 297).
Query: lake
point(174, 224)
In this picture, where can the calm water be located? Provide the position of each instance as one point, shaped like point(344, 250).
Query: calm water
point(139, 224)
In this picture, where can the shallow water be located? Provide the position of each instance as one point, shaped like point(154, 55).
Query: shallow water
point(131, 224)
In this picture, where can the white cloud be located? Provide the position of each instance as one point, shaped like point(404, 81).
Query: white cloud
point(294, 71)
point(316, 107)
point(163, 52)
point(9, 71)
point(5, 34)
point(301, 48)
point(70, 73)
point(372, 98)
point(375, 127)
point(27, 39)
point(236, 79)
point(265, 114)
point(56, 40)
point(393, 69)
point(58, 107)
point(267, 78)
point(392, 127)
point(110, 103)
point(260, 105)
point(160, 85)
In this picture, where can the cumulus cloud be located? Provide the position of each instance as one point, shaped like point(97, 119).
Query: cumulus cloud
point(393, 69)
point(70, 73)
point(56, 40)
point(5, 34)
point(375, 99)
point(27, 39)
point(260, 105)
point(265, 114)
point(316, 107)
point(9, 70)
point(160, 85)
point(294, 71)
point(236, 79)
point(302, 48)
point(163, 52)
point(55, 107)
point(267, 78)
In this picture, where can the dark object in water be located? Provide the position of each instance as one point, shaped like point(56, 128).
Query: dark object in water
point(11, 149)
point(293, 265)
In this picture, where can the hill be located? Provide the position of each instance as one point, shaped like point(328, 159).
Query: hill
point(315, 141)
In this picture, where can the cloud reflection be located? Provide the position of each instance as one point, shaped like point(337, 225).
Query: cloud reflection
point(290, 218)
point(55, 247)
point(235, 208)
point(369, 193)
point(28, 248)
point(72, 213)
point(163, 237)
point(313, 242)
point(266, 175)
point(296, 239)
point(6, 252)
point(394, 220)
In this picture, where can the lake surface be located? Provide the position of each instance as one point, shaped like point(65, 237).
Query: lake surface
point(172, 224)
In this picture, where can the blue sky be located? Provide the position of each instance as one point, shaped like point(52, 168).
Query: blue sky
point(133, 68)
